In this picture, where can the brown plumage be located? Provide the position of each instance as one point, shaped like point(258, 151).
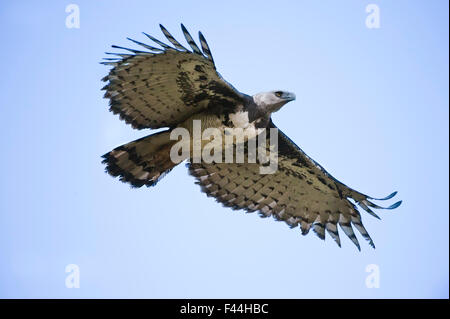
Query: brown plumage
point(169, 87)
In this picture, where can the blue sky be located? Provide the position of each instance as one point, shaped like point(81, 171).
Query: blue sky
point(372, 107)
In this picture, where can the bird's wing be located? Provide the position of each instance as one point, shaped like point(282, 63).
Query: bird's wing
point(161, 87)
point(300, 192)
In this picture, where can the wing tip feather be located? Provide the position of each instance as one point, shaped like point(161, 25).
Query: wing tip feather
point(384, 198)
point(395, 205)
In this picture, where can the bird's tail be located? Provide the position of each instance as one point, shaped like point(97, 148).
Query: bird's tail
point(141, 162)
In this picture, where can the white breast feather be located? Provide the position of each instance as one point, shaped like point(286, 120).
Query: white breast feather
point(240, 119)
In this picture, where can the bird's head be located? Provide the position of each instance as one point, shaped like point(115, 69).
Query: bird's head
point(272, 101)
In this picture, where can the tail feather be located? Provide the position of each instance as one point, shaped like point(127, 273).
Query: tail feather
point(141, 162)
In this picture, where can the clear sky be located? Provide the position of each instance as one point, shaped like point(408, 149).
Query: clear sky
point(372, 107)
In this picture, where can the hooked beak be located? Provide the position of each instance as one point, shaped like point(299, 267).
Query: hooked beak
point(289, 97)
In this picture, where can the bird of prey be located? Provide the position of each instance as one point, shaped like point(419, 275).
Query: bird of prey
point(169, 86)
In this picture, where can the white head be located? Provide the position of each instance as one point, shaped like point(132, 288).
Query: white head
point(272, 101)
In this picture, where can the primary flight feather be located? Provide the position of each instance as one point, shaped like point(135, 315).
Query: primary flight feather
point(171, 86)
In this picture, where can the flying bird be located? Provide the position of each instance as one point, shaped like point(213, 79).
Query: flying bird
point(171, 85)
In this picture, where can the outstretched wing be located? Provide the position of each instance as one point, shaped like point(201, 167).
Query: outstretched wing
point(300, 192)
point(164, 86)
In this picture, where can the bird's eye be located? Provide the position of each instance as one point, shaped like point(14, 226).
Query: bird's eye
point(278, 93)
